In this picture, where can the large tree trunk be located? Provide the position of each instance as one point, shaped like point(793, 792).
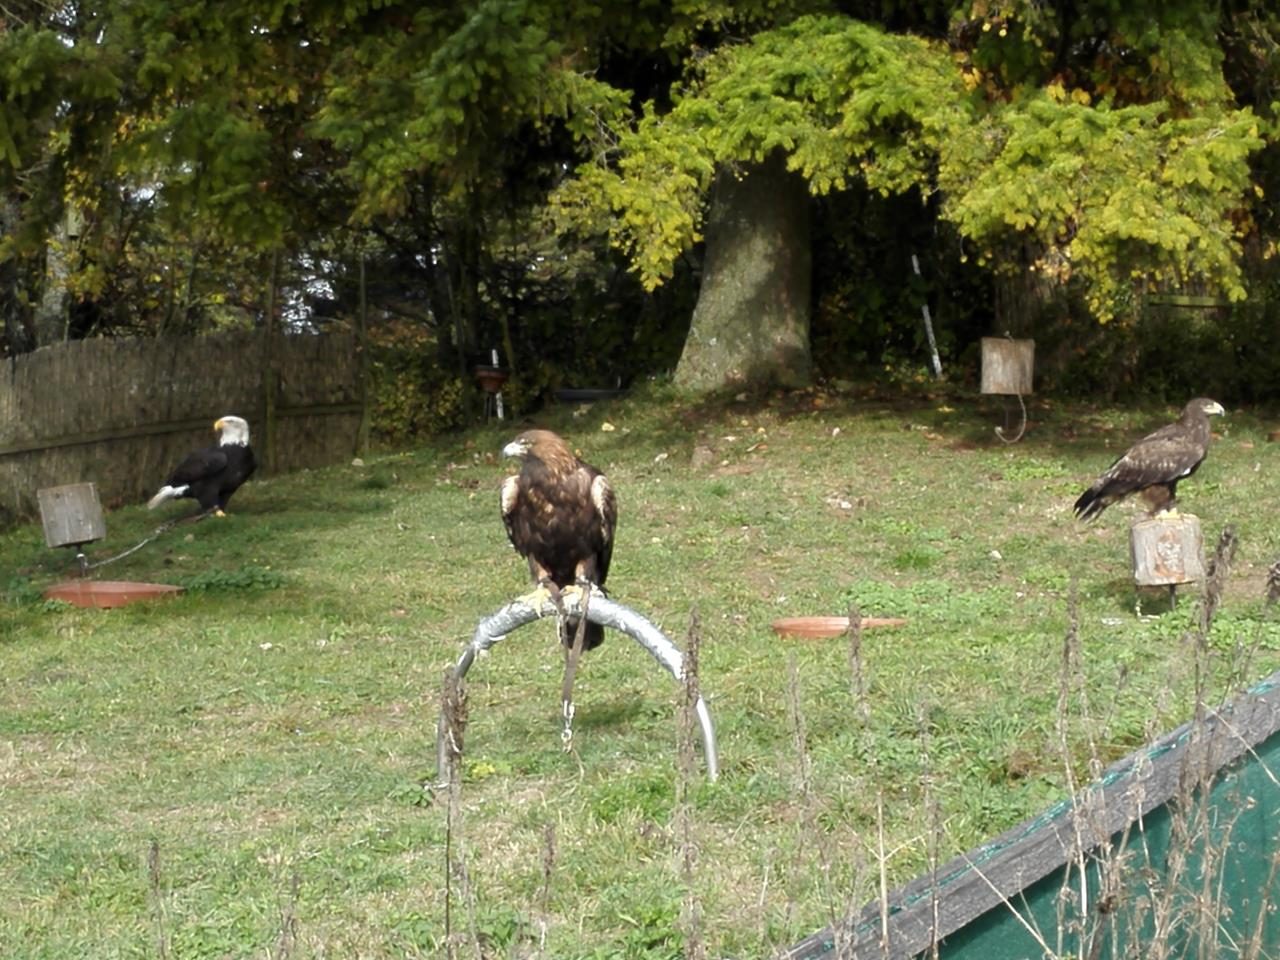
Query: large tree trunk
point(54, 307)
point(751, 325)
point(1025, 299)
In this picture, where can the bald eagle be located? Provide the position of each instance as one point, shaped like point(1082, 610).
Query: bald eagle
point(1153, 466)
point(560, 515)
point(210, 476)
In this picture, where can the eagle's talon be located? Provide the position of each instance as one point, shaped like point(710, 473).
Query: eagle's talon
point(554, 593)
point(545, 592)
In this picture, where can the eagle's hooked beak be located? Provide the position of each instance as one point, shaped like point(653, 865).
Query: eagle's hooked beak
point(1215, 410)
point(514, 449)
point(217, 425)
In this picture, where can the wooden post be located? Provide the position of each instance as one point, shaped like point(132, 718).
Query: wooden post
point(928, 323)
point(71, 514)
point(1167, 550)
point(362, 431)
point(269, 384)
point(1008, 365)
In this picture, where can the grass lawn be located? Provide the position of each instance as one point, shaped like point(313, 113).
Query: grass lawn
point(240, 771)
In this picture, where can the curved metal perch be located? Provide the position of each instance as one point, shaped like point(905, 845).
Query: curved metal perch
point(600, 610)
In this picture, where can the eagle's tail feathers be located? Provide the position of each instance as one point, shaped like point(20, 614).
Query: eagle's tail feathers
point(1089, 505)
point(1101, 495)
point(165, 493)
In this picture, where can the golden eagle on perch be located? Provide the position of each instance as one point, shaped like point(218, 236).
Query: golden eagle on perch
point(1153, 466)
point(560, 515)
point(210, 476)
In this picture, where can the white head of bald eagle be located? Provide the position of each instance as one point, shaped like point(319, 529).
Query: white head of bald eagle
point(210, 476)
point(560, 514)
point(1154, 465)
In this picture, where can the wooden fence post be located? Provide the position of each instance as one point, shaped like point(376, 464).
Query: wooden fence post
point(362, 431)
point(269, 379)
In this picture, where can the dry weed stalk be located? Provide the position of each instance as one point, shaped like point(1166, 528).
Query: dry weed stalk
point(799, 735)
point(454, 712)
point(687, 768)
point(544, 894)
point(1197, 824)
point(1216, 579)
point(1084, 914)
point(862, 710)
point(1072, 905)
point(1254, 946)
point(156, 891)
point(1031, 929)
point(933, 816)
point(288, 936)
point(810, 809)
point(857, 673)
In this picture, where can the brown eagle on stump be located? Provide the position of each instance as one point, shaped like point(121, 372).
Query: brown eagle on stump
point(1153, 466)
point(560, 515)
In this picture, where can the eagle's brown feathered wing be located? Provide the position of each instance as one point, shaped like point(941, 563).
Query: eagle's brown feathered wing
point(560, 514)
point(1155, 464)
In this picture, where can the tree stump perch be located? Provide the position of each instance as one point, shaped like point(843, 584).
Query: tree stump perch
point(1167, 550)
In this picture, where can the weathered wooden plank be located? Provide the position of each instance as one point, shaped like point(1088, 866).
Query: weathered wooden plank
point(71, 514)
point(1008, 365)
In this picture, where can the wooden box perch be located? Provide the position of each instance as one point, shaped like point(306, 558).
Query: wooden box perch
point(1167, 550)
point(71, 514)
point(1008, 365)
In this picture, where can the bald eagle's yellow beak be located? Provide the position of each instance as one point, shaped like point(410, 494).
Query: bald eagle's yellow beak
point(217, 424)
